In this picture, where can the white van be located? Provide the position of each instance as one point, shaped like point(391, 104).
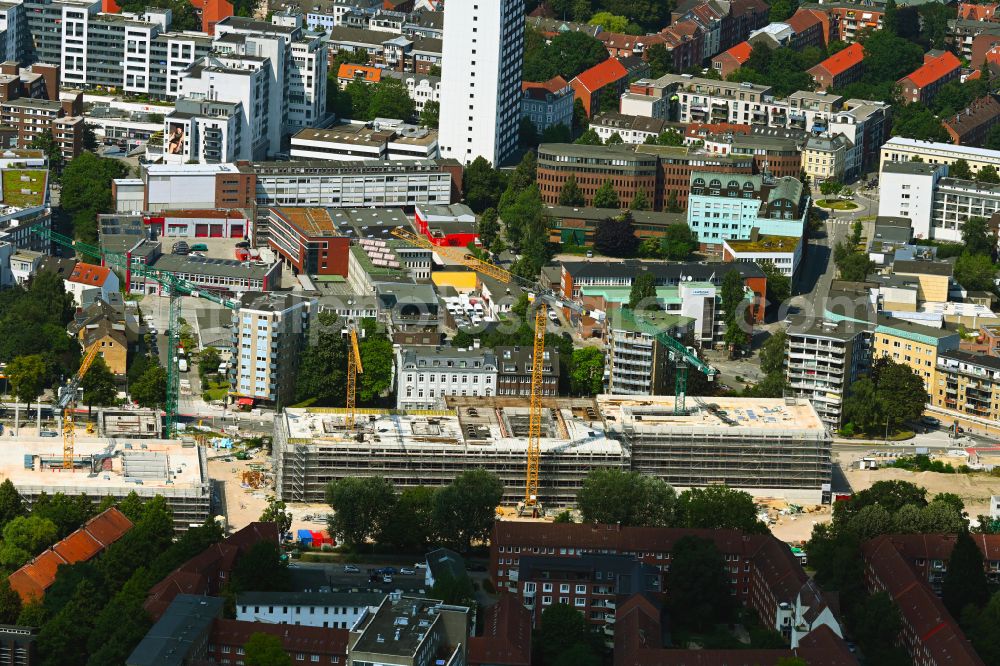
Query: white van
point(182, 364)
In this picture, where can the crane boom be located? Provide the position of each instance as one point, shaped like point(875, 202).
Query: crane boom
point(678, 351)
point(535, 413)
point(66, 404)
point(455, 254)
point(354, 368)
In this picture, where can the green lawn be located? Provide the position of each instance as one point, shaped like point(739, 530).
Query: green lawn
point(836, 204)
point(35, 186)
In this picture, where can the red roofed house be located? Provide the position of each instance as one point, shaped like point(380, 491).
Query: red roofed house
point(31, 580)
point(729, 61)
point(811, 27)
point(210, 570)
point(840, 69)
point(605, 79)
point(939, 68)
point(973, 123)
point(506, 638)
point(349, 72)
point(970, 12)
point(87, 281)
point(547, 103)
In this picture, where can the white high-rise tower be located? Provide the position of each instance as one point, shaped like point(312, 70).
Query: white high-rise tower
point(481, 79)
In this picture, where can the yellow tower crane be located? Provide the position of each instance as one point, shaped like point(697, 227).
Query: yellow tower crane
point(456, 254)
point(67, 403)
point(354, 369)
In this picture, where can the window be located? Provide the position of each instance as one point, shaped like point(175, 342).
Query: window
point(564, 588)
point(581, 589)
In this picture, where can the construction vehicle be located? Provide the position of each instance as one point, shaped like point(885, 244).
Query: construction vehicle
point(681, 355)
point(67, 405)
point(172, 285)
point(354, 368)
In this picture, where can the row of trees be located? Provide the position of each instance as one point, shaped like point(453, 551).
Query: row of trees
point(457, 515)
point(646, 15)
point(851, 258)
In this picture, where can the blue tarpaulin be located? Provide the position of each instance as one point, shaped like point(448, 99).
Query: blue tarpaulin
point(305, 536)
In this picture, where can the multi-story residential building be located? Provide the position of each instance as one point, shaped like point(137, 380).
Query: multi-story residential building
point(577, 275)
point(13, 27)
point(928, 633)
point(967, 387)
point(203, 130)
point(906, 189)
point(433, 631)
point(422, 88)
point(308, 240)
point(900, 149)
point(733, 205)
point(662, 173)
point(631, 129)
point(823, 359)
point(398, 53)
point(427, 375)
point(484, 45)
point(923, 84)
point(31, 117)
point(637, 363)
point(964, 33)
point(732, 59)
point(269, 334)
point(913, 345)
point(514, 368)
point(724, 26)
point(840, 69)
point(548, 103)
point(775, 152)
point(335, 610)
point(848, 20)
point(590, 583)
point(825, 157)
point(599, 87)
point(971, 125)
point(763, 573)
point(330, 14)
point(956, 201)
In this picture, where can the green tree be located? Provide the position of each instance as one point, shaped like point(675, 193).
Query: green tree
point(772, 353)
point(430, 115)
point(86, 191)
point(606, 197)
point(10, 603)
point(610, 22)
point(31, 534)
point(779, 286)
point(488, 227)
point(588, 371)
point(993, 138)
point(618, 497)
point(527, 133)
point(782, 9)
point(978, 238)
point(984, 630)
point(589, 137)
point(265, 650)
point(989, 175)
point(262, 569)
point(718, 507)
point(661, 61)
point(275, 512)
point(570, 194)
point(361, 506)
point(670, 137)
point(698, 584)
point(151, 389)
point(672, 205)
point(457, 590)
point(376, 359)
point(390, 99)
point(643, 292)
point(639, 201)
point(732, 294)
point(562, 629)
point(940, 517)
point(965, 581)
point(854, 266)
point(99, 387)
point(960, 169)
point(208, 362)
point(11, 503)
point(68, 512)
point(874, 619)
point(410, 527)
point(482, 185)
point(975, 272)
point(28, 376)
point(916, 121)
point(46, 142)
point(322, 373)
point(464, 510)
point(567, 54)
point(558, 133)
point(615, 236)
point(614, 140)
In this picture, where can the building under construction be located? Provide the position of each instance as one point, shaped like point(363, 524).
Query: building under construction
point(312, 447)
point(769, 447)
point(102, 467)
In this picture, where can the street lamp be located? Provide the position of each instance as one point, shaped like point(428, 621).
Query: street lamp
point(886, 443)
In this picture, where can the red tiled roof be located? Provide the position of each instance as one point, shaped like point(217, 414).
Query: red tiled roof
point(602, 74)
point(843, 60)
point(802, 20)
point(933, 69)
point(704, 129)
point(110, 7)
point(349, 71)
point(970, 12)
point(90, 274)
point(506, 638)
point(741, 52)
point(31, 580)
point(553, 85)
point(212, 11)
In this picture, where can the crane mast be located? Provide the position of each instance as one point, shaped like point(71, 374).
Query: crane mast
point(535, 414)
point(354, 368)
point(67, 403)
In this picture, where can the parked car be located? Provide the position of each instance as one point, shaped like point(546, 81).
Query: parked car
point(419, 565)
point(49, 433)
point(180, 247)
point(930, 421)
point(387, 578)
point(199, 247)
point(407, 571)
point(350, 568)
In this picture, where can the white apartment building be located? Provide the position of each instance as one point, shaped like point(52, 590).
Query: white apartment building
point(427, 374)
point(422, 88)
point(203, 131)
point(334, 610)
point(482, 59)
point(270, 330)
point(906, 189)
point(330, 14)
point(900, 149)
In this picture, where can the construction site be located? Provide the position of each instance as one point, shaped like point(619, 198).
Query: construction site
point(769, 447)
point(101, 467)
point(312, 447)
